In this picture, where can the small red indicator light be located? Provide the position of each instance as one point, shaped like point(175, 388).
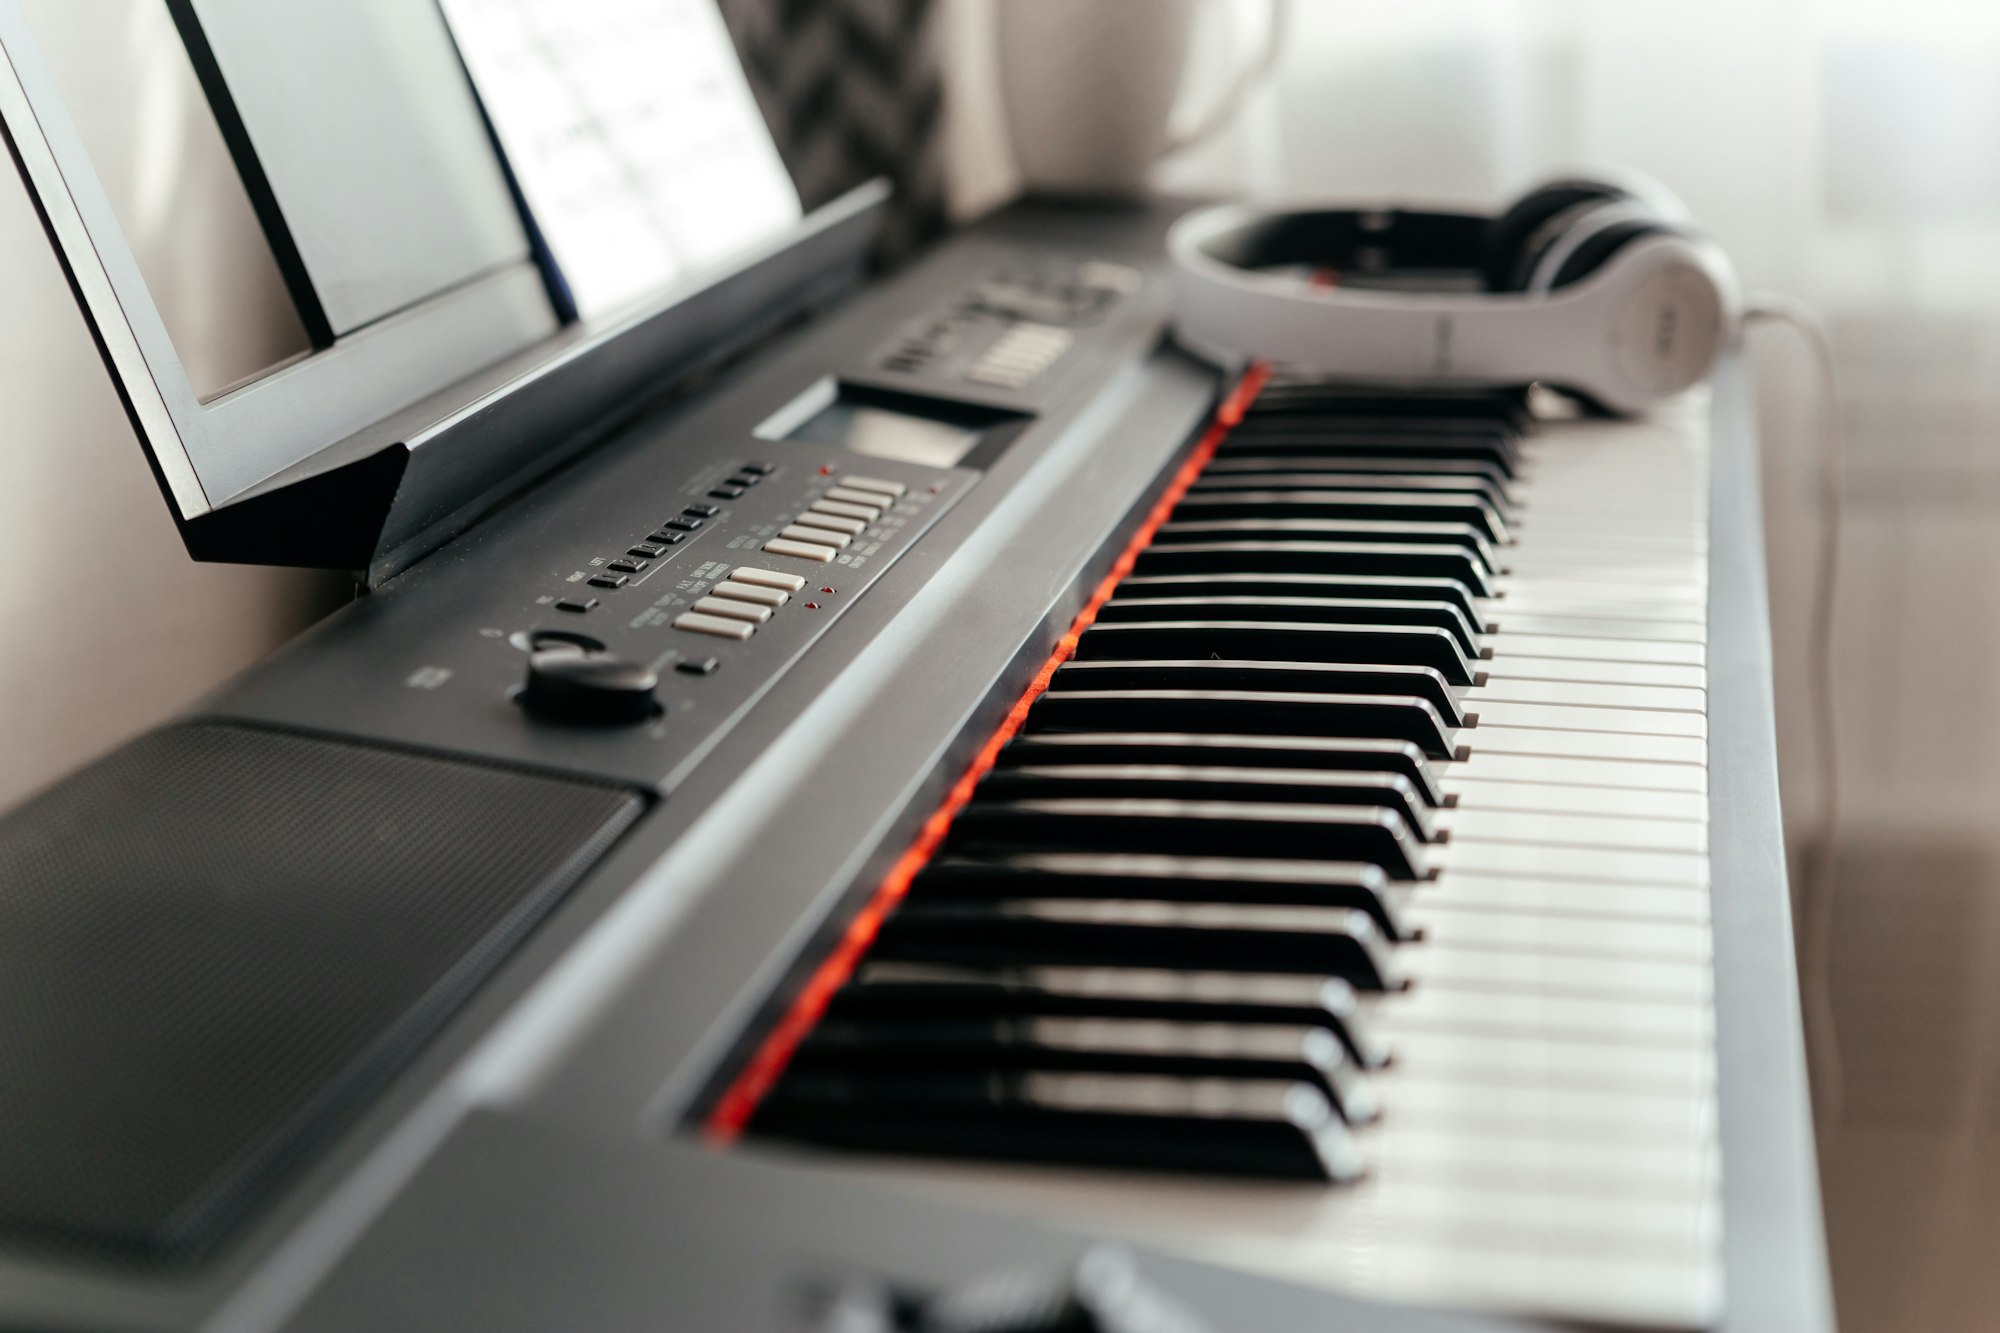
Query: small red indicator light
point(812, 606)
point(826, 469)
point(827, 591)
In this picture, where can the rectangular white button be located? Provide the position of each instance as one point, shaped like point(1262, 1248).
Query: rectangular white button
point(768, 578)
point(847, 510)
point(852, 496)
point(750, 592)
point(824, 536)
point(800, 550)
point(716, 625)
point(853, 527)
point(874, 484)
point(723, 606)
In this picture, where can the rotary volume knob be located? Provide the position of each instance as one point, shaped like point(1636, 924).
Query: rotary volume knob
point(568, 682)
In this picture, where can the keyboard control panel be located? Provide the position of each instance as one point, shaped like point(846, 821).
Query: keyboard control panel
point(1010, 328)
point(630, 645)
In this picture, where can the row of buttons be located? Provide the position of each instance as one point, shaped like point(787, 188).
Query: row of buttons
point(639, 556)
point(920, 348)
point(1020, 355)
point(735, 607)
point(1064, 294)
point(732, 488)
point(836, 519)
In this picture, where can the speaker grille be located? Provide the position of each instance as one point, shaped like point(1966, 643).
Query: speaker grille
point(218, 942)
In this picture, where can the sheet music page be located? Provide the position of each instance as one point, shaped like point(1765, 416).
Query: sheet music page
point(633, 134)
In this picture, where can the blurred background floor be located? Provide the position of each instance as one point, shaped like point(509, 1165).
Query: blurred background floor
point(1909, 963)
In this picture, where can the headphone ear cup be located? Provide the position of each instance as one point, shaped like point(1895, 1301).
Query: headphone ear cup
point(1594, 251)
point(1544, 240)
point(1502, 249)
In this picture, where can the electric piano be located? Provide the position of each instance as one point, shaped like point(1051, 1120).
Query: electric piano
point(900, 804)
point(967, 788)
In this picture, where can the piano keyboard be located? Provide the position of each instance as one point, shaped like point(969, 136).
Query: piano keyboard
point(1345, 879)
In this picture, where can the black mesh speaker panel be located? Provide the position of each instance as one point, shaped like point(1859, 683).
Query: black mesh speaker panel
point(218, 942)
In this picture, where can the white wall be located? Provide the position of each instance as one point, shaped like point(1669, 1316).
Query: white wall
point(106, 626)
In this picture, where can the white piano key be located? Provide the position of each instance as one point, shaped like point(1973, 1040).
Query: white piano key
point(1464, 1207)
point(1656, 1289)
point(1595, 863)
point(1611, 559)
point(1575, 798)
point(1538, 1062)
point(1510, 689)
point(1693, 600)
point(1471, 824)
point(1600, 650)
point(1590, 1167)
point(1603, 937)
point(1600, 627)
point(1558, 1113)
point(1565, 974)
point(1564, 717)
point(1506, 664)
point(1676, 504)
point(1486, 761)
point(1497, 738)
point(1612, 578)
point(1472, 891)
point(1424, 1009)
point(1542, 510)
point(1608, 558)
point(1529, 601)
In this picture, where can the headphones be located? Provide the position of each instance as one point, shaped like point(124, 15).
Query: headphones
point(1602, 289)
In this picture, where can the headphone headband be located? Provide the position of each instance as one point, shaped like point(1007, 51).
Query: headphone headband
point(1626, 308)
point(1350, 239)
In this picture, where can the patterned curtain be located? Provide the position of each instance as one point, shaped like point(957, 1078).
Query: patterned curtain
point(852, 89)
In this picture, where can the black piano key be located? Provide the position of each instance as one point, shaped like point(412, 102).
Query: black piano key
point(972, 1043)
point(1300, 752)
point(1117, 992)
point(1255, 641)
point(1214, 879)
point(1313, 394)
point(1380, 587)
point(1293, 444)
point(1241, 712)
point(1224, 603)
point(1463, 535)
point(1387, 559)
point(1233, 937)
point(1373, 834)
point(1296, 417)
point(1374, 506)
point(1145, 1121)
point(1223, 467)
point(1275, 416)
point(1203, 673)
point(1184, 782)
point(1412, 485)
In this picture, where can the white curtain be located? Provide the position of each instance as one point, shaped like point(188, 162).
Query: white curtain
point(1845, 149)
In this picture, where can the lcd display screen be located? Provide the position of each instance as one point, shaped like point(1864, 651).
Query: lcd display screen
point(906, 427)
point(882, 432)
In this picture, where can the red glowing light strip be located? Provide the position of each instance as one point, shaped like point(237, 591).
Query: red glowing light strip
point(760, 1074)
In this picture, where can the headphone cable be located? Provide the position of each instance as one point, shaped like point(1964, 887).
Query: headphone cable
point(1819, 871)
